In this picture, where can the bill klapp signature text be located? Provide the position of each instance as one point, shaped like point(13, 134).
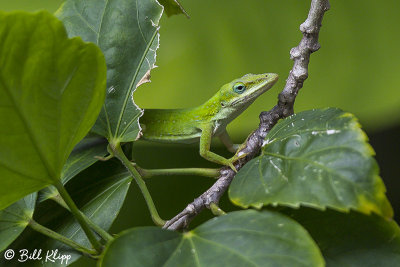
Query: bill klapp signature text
point(24, 255)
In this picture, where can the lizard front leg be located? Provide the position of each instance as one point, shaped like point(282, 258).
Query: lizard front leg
point(205, 144)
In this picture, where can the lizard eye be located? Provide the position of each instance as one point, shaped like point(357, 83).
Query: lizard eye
point(239, 88)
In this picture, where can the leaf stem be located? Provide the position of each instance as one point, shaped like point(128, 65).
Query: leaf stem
point(78, 215)
point(116, 147)
point(207, 172)
point(101, 232)
point(50, 233)
point(217, 211)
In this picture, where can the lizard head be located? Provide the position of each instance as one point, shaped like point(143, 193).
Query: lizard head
point(240, 93)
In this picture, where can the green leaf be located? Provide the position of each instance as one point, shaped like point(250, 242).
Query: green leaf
point(243, 238)
point(82, 157)
point(51, 91)
point(316, 158)
point(99, 192)
point(125, 31)
point(173, 7)
point(15, 218)
point(352, 239)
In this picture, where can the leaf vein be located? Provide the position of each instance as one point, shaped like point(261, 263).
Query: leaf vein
point(227, 249)
point(84, 20)
point(26, 125)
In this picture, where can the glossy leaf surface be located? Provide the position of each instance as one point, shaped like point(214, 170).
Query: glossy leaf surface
point(316, 158)
point(243, 238)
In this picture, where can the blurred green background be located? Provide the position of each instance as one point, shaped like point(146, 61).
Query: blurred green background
point(356, 69)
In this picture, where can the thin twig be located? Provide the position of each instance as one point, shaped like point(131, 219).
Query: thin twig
point(298, 74)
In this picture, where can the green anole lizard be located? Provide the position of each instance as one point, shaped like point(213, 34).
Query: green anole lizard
point(201, 123)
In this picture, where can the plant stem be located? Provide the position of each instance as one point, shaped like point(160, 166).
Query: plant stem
point(216, 210)
point(140, 182)
point(78, 215)
point(50, 233)
point(147, 173)
point(60, 201)
point(102, 233)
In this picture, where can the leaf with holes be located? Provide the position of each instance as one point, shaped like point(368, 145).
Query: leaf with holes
point(242, 238)
point(316, 158)
point(51, 92)
point(173, 7)
point(127, 34)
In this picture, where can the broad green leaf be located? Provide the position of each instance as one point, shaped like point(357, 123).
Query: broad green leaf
point(352, 239)
point(127, 34)
point(243, 238)
point(99, 192)
point(173, 7)
point(15, 218)
point(51, 91)
point(316, 158)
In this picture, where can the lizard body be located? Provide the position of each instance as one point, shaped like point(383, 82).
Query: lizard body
point(201, 123)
